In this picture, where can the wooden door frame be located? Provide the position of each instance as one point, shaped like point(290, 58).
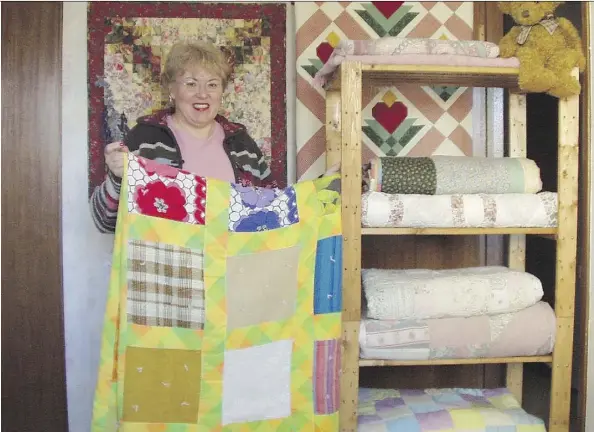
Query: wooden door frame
point(34, 368)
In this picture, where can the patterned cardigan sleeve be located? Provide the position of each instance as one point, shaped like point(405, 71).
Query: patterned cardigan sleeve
point(106, 197)
point(104, 204)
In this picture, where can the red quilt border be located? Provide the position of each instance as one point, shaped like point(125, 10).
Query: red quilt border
point(97, 29)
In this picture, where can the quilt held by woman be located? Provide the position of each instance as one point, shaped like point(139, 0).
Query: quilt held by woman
point(224, 306)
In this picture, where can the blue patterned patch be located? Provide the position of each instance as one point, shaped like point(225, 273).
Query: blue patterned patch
point(328, 276)
point(256, 209)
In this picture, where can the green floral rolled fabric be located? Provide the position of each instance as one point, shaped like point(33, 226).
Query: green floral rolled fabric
point(445, 175)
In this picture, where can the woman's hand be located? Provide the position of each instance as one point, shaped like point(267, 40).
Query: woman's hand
point(113, 157)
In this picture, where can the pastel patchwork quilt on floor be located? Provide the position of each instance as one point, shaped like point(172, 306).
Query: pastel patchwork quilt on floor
point(443, 410)
point(224, 306)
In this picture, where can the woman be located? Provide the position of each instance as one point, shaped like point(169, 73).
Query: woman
point(190, 135)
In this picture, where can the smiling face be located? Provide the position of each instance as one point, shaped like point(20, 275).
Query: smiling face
point(197, 94)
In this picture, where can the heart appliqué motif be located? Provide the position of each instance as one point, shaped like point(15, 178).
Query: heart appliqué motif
point(390, 117)
point(387, 8)
point(324, 50)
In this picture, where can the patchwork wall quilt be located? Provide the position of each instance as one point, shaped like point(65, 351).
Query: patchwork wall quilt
point(224, 306)
point(128, 42)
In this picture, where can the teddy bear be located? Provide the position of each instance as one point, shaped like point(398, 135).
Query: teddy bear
point(548, 48)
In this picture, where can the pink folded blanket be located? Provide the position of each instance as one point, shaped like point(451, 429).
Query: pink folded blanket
point(527, 332)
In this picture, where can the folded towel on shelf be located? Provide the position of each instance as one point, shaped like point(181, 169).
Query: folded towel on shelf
point(527, 332)
point(444, 175)
point(380, 209)
point(424, 294)
point(446, 410)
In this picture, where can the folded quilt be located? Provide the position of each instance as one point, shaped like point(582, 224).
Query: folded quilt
point(398, 46)
point(424, 294)
point(446, 410)
point(527, 332)
point(325, 73)
point(380, 209)
point(444, 175)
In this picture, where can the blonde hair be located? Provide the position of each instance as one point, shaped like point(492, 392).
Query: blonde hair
point(204, 55)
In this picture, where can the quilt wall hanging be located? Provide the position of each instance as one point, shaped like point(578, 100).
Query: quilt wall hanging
point(128, 42)
point(404, 120)
point(224, 306)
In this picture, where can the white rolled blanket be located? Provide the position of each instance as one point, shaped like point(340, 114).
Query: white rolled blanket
point(380, 210)
point(429, 294)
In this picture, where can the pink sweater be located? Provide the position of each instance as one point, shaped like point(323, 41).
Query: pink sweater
point(204, 156)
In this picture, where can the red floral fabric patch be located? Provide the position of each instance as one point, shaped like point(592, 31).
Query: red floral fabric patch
point(162, 191)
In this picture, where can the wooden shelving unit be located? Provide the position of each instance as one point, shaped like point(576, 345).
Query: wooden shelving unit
point(459, 231)
point(490, 360)
point(344, 138)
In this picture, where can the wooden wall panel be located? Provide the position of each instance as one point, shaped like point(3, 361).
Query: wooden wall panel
point(33, 365)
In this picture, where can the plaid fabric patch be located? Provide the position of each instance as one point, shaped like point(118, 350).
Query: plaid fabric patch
point(165, 285)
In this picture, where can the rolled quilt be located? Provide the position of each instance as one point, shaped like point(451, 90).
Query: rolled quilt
point(428, 294)
point(528, 332)
point(380, 209)
point(444, 175)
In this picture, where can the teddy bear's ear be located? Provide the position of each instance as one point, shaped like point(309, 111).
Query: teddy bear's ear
point(505, 6)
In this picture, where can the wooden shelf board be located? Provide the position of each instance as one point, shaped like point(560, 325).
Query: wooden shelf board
point(459, 231)
point(443, 362)
point(464, 76)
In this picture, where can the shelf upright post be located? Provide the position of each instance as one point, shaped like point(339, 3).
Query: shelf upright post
point(351, 95)
point(565, 273)
point(516, 253)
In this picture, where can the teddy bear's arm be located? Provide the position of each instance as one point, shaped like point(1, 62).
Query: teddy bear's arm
point(571, 33)
point(573, 39)
point(508, 45)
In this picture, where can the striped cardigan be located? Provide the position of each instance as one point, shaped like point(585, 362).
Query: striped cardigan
point(151, 138)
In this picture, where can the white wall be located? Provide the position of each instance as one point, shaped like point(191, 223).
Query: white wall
point(86, 252)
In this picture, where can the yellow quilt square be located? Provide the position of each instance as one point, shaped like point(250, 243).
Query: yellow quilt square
point(467, 419)
point(161, 385)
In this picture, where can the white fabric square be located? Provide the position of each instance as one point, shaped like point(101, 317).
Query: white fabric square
point(257, 383)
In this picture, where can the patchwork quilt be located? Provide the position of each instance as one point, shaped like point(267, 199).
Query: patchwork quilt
point(443, 410)
point(224, 306)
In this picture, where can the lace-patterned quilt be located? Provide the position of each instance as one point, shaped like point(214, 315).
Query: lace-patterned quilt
point(426, 294)
point(459, 211)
